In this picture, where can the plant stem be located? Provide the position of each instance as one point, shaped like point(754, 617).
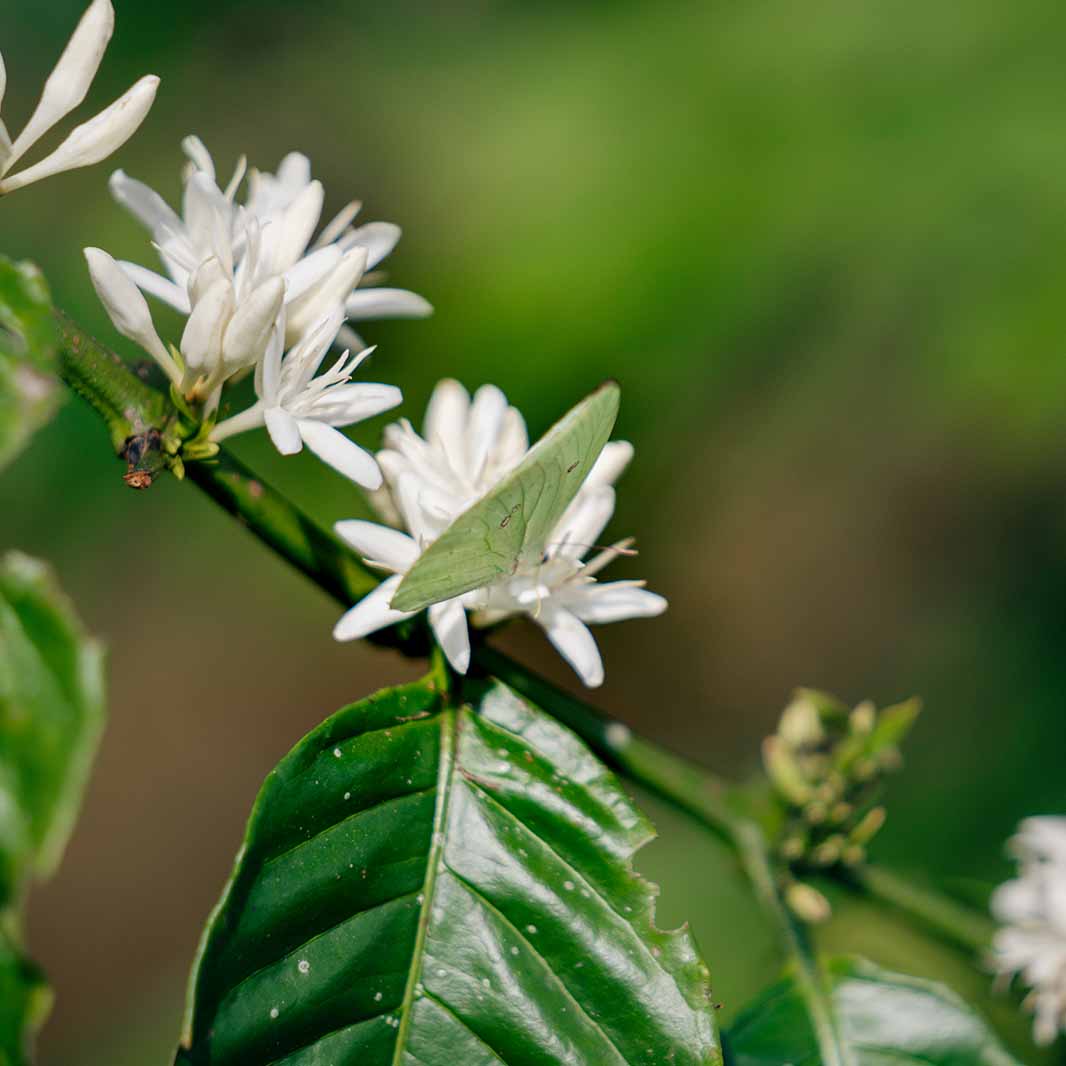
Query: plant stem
point(127, 405)
point(963, 926)
point(810, 980)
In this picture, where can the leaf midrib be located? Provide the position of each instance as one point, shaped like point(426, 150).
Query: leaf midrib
point(449, 727)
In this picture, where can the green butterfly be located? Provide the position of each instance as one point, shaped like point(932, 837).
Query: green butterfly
point(510, 527)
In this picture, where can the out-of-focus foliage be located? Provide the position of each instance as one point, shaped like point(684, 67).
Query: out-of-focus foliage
point(51, 713)
point(29, 393)
point(885, 1019)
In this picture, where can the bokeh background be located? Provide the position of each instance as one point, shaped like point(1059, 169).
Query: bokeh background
point(821, 246)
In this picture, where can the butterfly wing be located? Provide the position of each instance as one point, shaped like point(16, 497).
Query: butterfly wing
point(510, 526)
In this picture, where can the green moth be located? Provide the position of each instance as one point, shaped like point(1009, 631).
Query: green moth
point(511, 525)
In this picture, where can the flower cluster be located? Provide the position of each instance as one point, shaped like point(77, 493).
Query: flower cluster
point(66, 87)
point(1032, 910)
point(468, 445)
point(826, 763)
point(261, 293)
point(266, 290)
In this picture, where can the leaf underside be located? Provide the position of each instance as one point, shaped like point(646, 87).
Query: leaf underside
point(885, 1019)
point(436, 886)
point(51, 714)
point(511, 525)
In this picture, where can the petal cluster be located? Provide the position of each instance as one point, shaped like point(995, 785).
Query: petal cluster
point(271, 235)
point(260, 293)
point(467, 446)
point(66, 87)
point(297, 407)
point(1032, 911)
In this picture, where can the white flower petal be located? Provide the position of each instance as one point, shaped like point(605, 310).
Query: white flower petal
point(294, 172)
point(292, 233)
point(446, 415)
point(5, 148)
point(344, 455)
point(94, 140)
point(250, 327)
point(486, 419)
point(284, 430)
point(378, 238)
point(581, 525)
point(614, 601)
point(575, 644)
point(611, 464)
point(201, 343)
point(394, 549)
point(310, 271)
point(156, 285)
point(143, 202)
point(338, 224)
point(328, 294)
point(127, 308)
point(207, 218)
point(386, 303)
point(268, 369)
point(448, 622)
point(371, 613)
point(69, 82)
point(344, 405)
point(199, 156)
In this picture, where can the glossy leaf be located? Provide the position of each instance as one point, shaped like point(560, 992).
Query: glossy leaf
point(51, 713)
point(29, 393)
point(885, 1019)
point(513, 523)
point(428, 885)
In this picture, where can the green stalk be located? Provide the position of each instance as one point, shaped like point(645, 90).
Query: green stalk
point(810, 980)
point(131, 409)
point(287, 531)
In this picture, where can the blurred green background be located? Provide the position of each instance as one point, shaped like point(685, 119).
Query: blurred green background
point(820, 245)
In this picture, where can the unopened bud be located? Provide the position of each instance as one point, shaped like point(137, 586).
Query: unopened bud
point(853, 855)
point(868, 827)
point(863, 718)
point(864, 770)
point(808, 904)
point(815, 813)
point(801, 725)
point(840, 813)
point(793, 848)
point(890, 759)
point(828, 852)
point(784, 771)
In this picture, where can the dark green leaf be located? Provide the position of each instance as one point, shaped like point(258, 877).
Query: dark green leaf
point(512, 524)
point(29, 393)
point(885, 1019)
point(51, 713)
point(436, 886)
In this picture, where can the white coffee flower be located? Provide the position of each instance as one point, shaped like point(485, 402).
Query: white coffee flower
point(270, 235)
point(66, 87)
point(226, 332)
point(467, 447)
point(396, 552)
point(299, 408)
point(1032, 911)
